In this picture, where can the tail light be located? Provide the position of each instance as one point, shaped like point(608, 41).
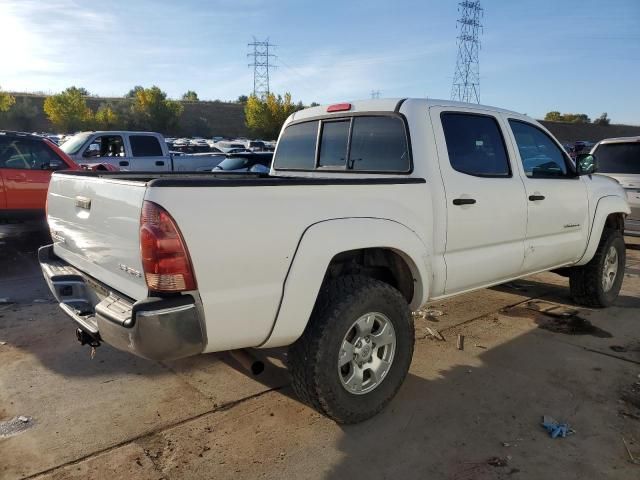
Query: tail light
point(165, 259)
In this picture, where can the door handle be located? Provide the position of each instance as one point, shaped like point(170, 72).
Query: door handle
point(124, 163)
point(159, 163)
point(535, 198)
point(464, 201)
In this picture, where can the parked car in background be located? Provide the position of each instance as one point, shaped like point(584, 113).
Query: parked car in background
point(257, 162)
point(26, 164)
point(619, 158)
point(227, 146)
point(133, 151)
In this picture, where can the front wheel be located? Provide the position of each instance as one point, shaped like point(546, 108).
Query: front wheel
point(597, 284)
point(356, 350)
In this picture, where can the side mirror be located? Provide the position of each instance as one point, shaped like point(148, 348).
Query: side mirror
point(586, 164)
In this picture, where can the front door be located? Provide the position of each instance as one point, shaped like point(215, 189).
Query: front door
point(25, 165)
point(558, 208)
point(485, 199)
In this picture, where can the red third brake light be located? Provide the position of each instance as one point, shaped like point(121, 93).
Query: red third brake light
point(165, 259)
point(339, 107)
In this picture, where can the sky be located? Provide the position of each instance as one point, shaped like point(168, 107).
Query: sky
point(536, 55)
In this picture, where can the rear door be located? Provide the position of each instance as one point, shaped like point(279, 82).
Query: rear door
point(26, 165)
point(147, 154)
point(557, 200)
point(486, 207)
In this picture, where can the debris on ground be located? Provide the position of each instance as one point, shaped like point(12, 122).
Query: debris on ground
point(552, 309)
point(3, 343)
point(434, 333)
point(632, 458)
point(433, 313)
point(498, 461)
point(15, 426)
point(555, 428)
point(631, 394)
point(618, 348)
point(574, 326)
point(460, 343)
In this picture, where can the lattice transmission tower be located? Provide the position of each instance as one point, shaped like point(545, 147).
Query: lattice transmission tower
point(466, 80)
point(261, 65)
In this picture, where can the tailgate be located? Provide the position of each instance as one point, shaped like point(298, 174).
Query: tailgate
point(94, 224)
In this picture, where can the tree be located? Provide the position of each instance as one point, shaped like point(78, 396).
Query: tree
point(556, 116)
point(68, 110)
point(602, 119)
point(242, 99)
point(314, 104)
point(190, 96)
point(134, 91)
point(22, 115)
point(265, 116)
point(106, 117)
point(154, 111)
point(83, 91)
point(6, 101)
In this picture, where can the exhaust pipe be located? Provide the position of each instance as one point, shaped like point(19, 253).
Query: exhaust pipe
point(248, 361)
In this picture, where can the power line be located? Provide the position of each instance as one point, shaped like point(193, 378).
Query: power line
point(261, 65)
point(466, 80)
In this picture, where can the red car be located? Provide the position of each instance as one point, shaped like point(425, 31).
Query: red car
point(26, 164)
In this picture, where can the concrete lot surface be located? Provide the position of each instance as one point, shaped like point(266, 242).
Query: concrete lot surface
point(461, 414)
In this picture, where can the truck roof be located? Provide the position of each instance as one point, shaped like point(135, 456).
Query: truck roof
point(392, 104)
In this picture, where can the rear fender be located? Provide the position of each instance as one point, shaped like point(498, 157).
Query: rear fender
point(319, 244)
point(605, 207)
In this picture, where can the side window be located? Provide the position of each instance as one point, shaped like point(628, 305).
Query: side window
point(541, 157)
point(105, 146)
point(145, 146)
point(297, 147)
point(475, 145)
point(379, 144)
point(27, 155)
point(334, 140)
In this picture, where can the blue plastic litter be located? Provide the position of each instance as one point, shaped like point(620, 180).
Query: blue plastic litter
point(555, 428)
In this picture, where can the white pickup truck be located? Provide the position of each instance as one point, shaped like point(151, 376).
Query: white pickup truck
point(134, 151)
point(370, 210)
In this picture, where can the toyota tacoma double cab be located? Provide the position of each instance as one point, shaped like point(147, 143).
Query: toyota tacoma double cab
point(370, 210)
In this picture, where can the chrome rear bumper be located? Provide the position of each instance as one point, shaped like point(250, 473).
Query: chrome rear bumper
point(153, 328)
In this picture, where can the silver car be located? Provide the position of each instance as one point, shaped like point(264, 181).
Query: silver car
point(619, 158)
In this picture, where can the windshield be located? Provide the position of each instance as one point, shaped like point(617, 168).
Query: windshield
point(234, 163)
point(73, 145)
point(618, 158)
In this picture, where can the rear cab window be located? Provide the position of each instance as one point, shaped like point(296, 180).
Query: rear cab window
point(145, 146)
point(618, 157)
point(357, 143)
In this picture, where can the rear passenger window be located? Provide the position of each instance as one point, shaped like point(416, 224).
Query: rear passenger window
point(297, 147)
point(475, 145)
point(333, 144)
point(145, 146)
point(379, 144)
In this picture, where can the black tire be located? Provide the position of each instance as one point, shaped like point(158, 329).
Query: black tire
point(313, 358)
point(586, 281)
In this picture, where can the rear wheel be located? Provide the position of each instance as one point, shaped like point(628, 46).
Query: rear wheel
point(356, 349)
point(597, 284)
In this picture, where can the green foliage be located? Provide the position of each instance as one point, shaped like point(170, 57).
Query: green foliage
point(603, 119)
point(242, 99)
point(134, 91)
point(106, 117)
point(314, 104)
point(22, 115)
point(190, 96)
point(264, 116)
point(556, 116)
point(6, 101)
point(154, 111)
point(68, 110)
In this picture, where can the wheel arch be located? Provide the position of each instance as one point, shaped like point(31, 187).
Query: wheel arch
point(380, 248)
point(610, 212)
